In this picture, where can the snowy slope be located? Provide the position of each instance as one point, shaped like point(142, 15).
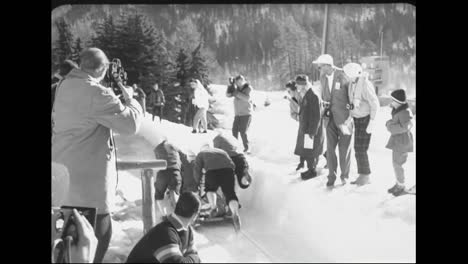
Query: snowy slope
point(284, 218)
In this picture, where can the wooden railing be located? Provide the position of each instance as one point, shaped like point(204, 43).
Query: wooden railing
point(148, 169)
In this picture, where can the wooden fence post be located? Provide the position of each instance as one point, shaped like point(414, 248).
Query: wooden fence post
point(148, 169)
point(148, 210)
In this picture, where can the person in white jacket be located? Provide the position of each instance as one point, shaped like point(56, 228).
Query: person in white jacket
point(364, 104)
point(201, 100)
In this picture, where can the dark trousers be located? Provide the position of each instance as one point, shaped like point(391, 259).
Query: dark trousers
point(361, 144)
point(335, 137)
point(223, 178)
point(301, 159)
point(103, 232)
point(241, 124)
point(311, 163)
point(158, 111)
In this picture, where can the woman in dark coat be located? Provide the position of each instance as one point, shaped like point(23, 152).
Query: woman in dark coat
point(310, 125)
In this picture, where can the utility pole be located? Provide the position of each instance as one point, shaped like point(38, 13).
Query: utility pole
point(325, 31)
point(381, 42)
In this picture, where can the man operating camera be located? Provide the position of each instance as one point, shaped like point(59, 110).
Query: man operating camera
point(84, 115)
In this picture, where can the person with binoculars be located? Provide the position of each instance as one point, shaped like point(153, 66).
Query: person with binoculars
point(84, 115)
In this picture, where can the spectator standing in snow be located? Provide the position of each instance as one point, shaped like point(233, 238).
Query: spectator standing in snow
point(294, 98)
point(364, 107)
point(172, 240)
point(85, 114)
point(219, 172)
point(201, 100)
point(243, 107)
point(310, 125)
point(401, 139)
point(229, 144)
point(157, 102)
point(337, 118)
point(140, 96)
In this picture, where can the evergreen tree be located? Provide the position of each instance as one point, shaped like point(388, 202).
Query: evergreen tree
point(183, 68)
point(63, 48)
point(77, 48)
point(141, 48)
point(198, 67)
point(106, 37)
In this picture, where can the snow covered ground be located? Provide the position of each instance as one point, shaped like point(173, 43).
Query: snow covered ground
point(284, 218)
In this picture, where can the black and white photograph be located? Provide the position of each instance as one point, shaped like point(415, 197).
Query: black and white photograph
point(233, 133)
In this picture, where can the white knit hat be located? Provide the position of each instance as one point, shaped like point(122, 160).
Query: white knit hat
point(324, 59)
point(352, 70)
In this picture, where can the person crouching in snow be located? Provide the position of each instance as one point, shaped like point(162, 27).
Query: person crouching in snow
point(201, 100)
point(170, 178)
point(228, 143)
point(310, 126)
point(363, 108)
point(219, 172)
point(401, 140)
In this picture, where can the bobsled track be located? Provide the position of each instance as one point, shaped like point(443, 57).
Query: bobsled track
point(284, 219)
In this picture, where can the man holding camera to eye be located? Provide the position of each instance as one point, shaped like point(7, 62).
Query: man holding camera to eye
point(84, 115)
point(338, 122)
point(243, 108)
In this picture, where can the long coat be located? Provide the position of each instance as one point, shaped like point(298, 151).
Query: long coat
point(84, 116)
point(400, 126)
point(310, 122)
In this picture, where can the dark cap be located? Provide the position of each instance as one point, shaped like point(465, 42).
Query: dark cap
point(302, 79)
point(291, 85)
point(239, 77)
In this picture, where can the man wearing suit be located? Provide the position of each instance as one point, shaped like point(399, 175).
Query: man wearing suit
point(339, 126)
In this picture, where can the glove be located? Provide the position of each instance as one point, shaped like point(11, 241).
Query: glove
point(370, 127)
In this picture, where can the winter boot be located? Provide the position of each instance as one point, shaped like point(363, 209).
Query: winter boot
point(194, 131)
point(400, 190)
point(363, 179)
point(391, 190)
point(309, 174)
point(204, 132)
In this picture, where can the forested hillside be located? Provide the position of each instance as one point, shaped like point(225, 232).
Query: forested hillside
point(269, 43)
